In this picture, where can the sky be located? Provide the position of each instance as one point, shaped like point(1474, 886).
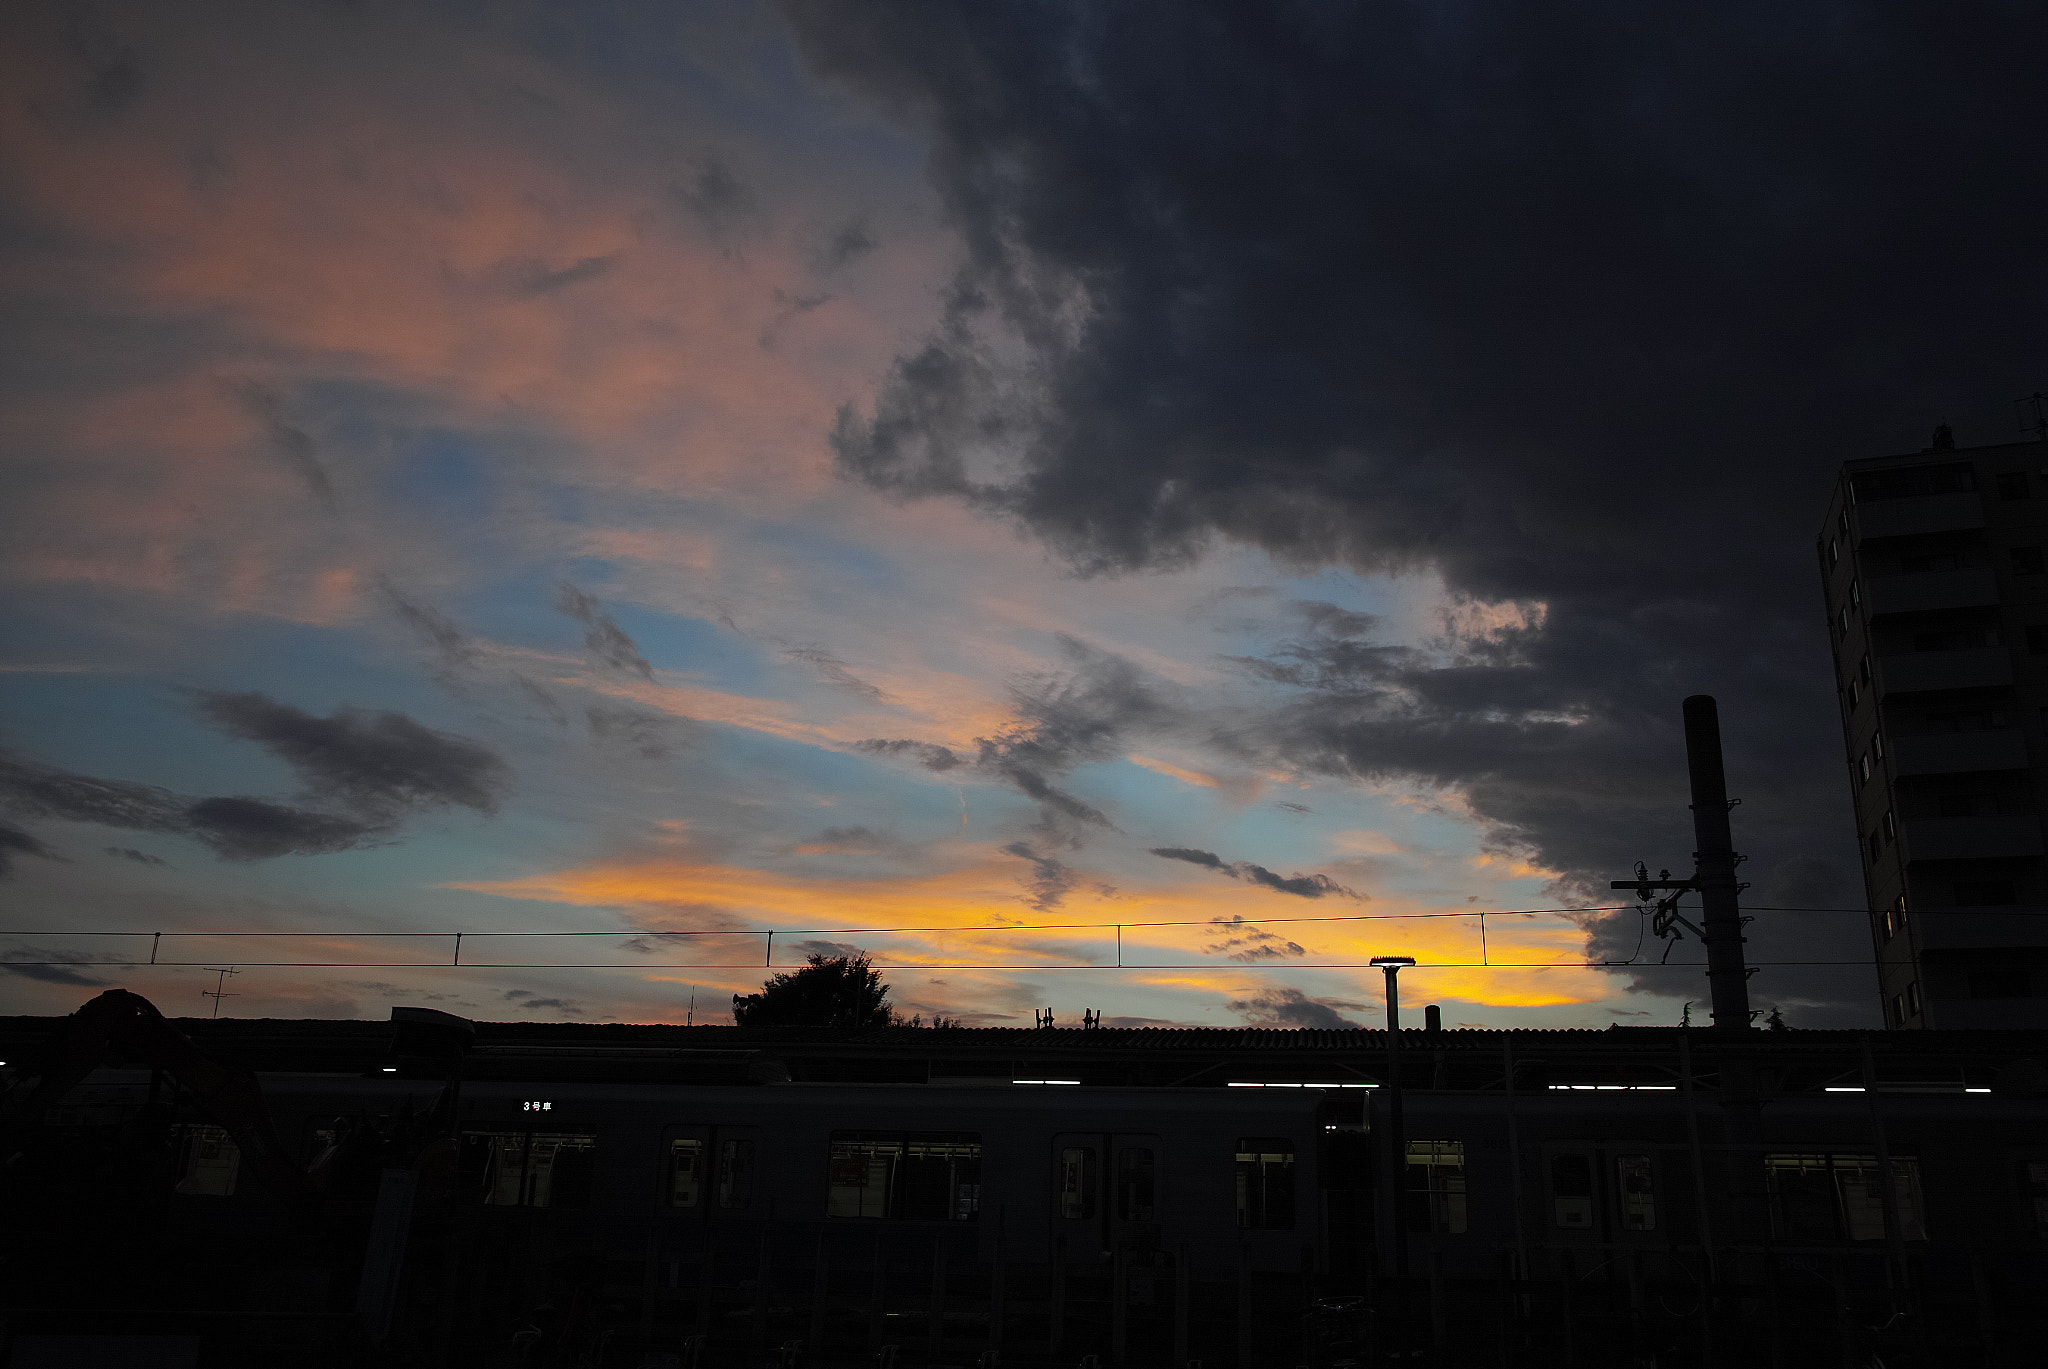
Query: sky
point(1230, 490)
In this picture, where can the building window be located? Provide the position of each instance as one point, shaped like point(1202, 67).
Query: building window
point(208, 1160)
point(1834, 550)
point(1840, 1197)
point(1877, 745)
point(1635, 1179)
point(1856, 594)
point(2013, 485)
point(1842, 621)
point(1898, 1010)
point(1863, 671)
point(1863, 766)
point(1986, 893)
point(1435, 1198)
point(905, 1176)
point(512, 1168)
point(1999, 984)
point(1890, 828)
point(1265, 1183)
point(1876, 847)
point(1571, 1190)
point(1913, 999)
point(1077, 1183)
point(1136, 1192)
point(2027, 561)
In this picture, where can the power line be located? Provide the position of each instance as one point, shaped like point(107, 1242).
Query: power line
point(1218, 923)
point(897, 966)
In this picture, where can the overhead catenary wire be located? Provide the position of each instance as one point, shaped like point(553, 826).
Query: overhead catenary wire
point(981, 927)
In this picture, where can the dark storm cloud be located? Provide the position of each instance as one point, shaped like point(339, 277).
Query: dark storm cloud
point(236, 828)
point(531, 279)
point(648, 733)
point(720, 200)
point(41, 791)
point(527, 1000)
point(130, 853)
point(1249, 942)
point(835, 672)
point(451, 646)
point(15, 842)
point(930, 755)
point(850, 242)
point(380, 765)
point(1292, 1008)
point(1302, 886)
point(291, 442)
point(256, 829)
point(1569, 306)
point(50, 974)
point(1062, 719)
point(607, 641)
point(1050, 881)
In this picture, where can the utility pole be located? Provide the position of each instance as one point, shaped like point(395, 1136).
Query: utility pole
point(1714, 865)
point(1397, 1140)
point(1713, 878)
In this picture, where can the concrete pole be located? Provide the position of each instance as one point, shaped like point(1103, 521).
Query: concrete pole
point(1714, 865)
point(1397, 1139)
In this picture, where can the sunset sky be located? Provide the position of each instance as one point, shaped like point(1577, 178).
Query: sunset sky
point(630, 468)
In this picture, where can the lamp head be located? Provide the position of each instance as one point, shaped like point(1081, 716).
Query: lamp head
point(1391, 962)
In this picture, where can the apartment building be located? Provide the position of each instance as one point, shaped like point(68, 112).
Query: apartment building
point(1935, 569)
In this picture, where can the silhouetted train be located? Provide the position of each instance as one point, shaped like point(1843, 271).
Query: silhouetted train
point(650, 1196)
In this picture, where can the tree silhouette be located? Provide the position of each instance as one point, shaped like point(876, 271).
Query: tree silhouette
point(835, 991)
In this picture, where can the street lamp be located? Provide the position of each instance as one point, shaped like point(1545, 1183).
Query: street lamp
point(1396, 1169)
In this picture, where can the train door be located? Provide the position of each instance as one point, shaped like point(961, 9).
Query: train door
point(1106, 1191)
point(712, 1172)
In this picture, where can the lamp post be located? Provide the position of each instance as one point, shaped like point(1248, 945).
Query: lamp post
point(1397, 1142)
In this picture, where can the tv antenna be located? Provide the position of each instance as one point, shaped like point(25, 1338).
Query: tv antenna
point(220, 988)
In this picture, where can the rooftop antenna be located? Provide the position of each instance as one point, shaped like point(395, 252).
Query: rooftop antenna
point(2039, 427)
point(691, 1020)
point(219, 989)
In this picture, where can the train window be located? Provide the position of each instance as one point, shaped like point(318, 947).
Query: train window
point(1436, 1186)
point(508, 1167)
point(1134, 1185)
point(1571, 1190)
point(1636, 1182)
point(735, 1174)
point(905, 1176)
point(685, 1171)
point(2034, 1180)
point(1077, 1182)
point(1841, 1197)
point(208, 1160)
point(1265, 1183)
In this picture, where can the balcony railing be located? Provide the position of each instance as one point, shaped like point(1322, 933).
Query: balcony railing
point(1990, 836)
point(1970, 587)
point(1953, 753)
point(1926, 513)
point(1971, 668)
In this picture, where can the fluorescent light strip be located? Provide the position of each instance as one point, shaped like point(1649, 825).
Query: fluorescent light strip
point(1248, 1085)
point(1622, 1088)
point(1045, 1081)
